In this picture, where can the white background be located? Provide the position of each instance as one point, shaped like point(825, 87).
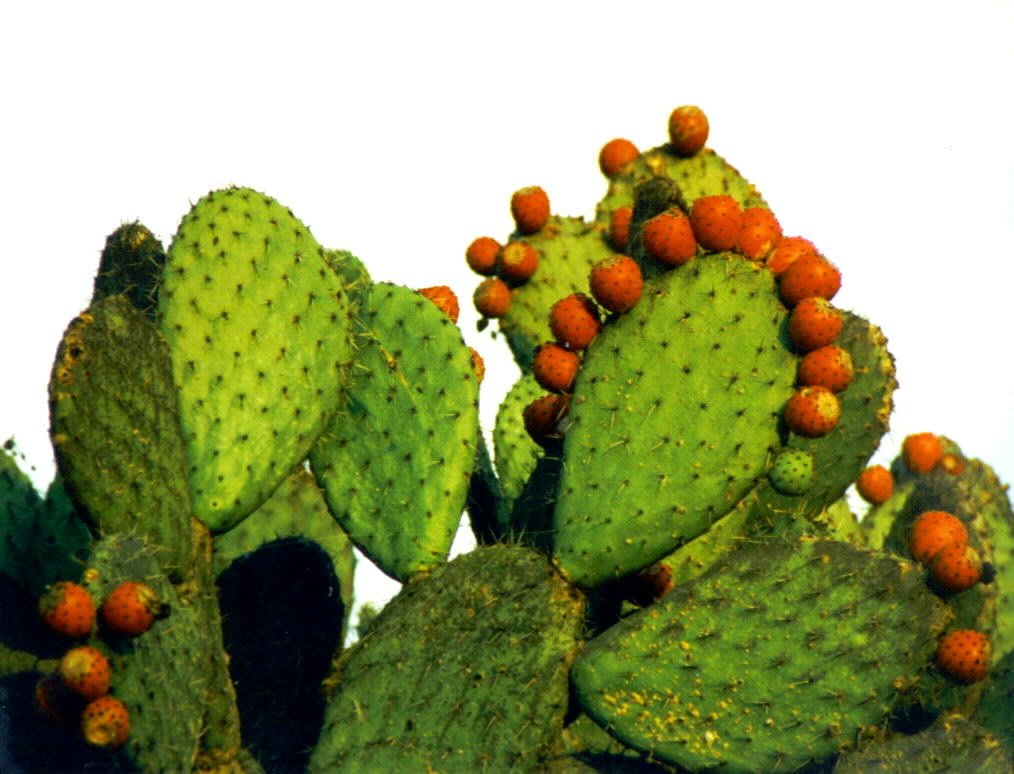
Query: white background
point(879, 130)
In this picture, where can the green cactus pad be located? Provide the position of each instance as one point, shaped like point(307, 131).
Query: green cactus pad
point(703, 174)
point(296, 509)
point(131, 265)
point(162, 675)
point(776, 656)
point(396, 461)
point(258, 325)
point(515, 453)
point(42, 540)
point(674, 416)
point(488, 508)
point(465, 670)
point(950, 744)
point(568, 248)
point(115, 428)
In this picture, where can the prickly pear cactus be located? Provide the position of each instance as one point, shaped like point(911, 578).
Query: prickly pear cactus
point(669, 575)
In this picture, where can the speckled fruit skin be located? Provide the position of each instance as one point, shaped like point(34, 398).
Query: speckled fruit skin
point(517, 262)
point(492, 298)
point(481, 255)
point(875, 484)
point(86, 671)
point(828, 366)
point(759, 234)
point(813, 324)
point(445, 299)
point(554, 367)
point(812, 412)
point(669, 238)
point(68, 609)
point(688, 130)
point(616, 283)
point(105, 723)
point(964, 655)
point(530, 209)
point(130, 609)
point(793, 472)
point(809, 275)
point(934, 530)
point(787, 251)
point(716, 221)
point(542, 418)
point(955, 569)
point(615, 155)
point(575, 321)
point(922, 451)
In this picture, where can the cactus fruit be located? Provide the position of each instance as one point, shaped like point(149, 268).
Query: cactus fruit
point(809, 276)
point(130, 609)
point(530, 209)
point(933, 531)
point(258, 330)
point(86, 671)
point(964, 655)
point(875, 484)
point(616, 283)
point(922, 451)
point(793, 472)
point(774, 657)
point(68, 609)
point(688, 130)
point(617, 154)
point(716, 221)
point(105, 723)
point(492, 298)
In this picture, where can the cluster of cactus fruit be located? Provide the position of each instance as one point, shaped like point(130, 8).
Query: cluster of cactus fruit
point(667, 577)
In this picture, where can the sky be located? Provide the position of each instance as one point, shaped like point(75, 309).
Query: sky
point(879, 130)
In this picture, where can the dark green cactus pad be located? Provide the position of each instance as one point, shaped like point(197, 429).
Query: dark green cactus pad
point(465, 670)
point(296, 509)
point(776, 656)
point(568, 248)
point(488, 509)
point(131, 265)
point(258, 326)
point(704, 174)
point(675, 414)
point(950, 744)
point(994, 710)
point(282, 618)
point(163, 675)
point(114, 422)
point(42, 540)
point(515, 453)
point(395, 463)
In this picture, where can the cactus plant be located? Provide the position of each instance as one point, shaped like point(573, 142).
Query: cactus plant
point(668, 578)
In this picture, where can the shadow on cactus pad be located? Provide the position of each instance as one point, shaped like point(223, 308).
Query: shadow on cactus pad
point(281, 612)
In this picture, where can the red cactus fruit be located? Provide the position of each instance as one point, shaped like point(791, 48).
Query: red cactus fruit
point(68, 609)
point(809, 275)
point(814, 323)
point(86, 671)
point(787, 251)
point(615, 155)
point(55, 700)
point(492, 298)
point(530, 208)
point(648, 586)
point(554, 367)
point(542, 418)
point(759, 234)
point(517, 262)
point(922, 451)
point(105, 723)
point(955, 568)
point(669, 238)
point(828, 366)
point(619, 227)
point(716, 221)
point(616, 283)
point(481, 255)
point(875, 484)
point(812, 412)
point(131, 609)
point(932, 531)
point(688, 130)
point(444, 298)
point(575, 321)
point(964, 655)
point(478, 364)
